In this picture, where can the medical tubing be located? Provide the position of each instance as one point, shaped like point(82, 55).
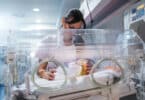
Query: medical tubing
point(59, 65)
point(97, 64)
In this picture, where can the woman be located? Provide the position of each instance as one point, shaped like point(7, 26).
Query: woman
point(73, 20)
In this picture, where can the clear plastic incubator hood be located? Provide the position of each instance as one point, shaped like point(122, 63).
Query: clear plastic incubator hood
point(58, 62)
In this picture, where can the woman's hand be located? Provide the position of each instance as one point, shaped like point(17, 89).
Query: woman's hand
point(49, 75)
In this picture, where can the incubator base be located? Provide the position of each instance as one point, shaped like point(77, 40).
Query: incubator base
point(115, 93)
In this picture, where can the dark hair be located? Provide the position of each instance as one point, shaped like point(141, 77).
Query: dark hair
point(74, 16)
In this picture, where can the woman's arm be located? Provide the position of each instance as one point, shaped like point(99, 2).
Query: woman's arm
point(43, 73)
point(42, 69)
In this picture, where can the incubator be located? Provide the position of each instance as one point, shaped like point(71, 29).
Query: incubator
point(90, 64)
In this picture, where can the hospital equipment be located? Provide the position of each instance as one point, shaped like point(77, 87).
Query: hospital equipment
point(114, 53)
point(134, 18)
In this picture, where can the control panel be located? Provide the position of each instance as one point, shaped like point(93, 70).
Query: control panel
point(137, 12)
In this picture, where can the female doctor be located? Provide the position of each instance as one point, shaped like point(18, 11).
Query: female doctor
point(73, 20)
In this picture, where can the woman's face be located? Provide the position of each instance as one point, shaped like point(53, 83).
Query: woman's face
point(67, 36)
point(77, 25)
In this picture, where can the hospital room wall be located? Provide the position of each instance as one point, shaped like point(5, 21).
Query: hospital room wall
point(116, 23)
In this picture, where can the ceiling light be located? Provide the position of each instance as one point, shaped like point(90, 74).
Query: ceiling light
point(38, 21)
point(36, 9)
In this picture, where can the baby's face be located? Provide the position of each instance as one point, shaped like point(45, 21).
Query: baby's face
point(86, 65)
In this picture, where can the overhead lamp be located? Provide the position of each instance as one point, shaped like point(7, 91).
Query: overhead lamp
point(36, 9)
point(38, 21)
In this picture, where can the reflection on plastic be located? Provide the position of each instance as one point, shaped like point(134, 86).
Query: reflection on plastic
point(2, 92)
point(73, 70)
